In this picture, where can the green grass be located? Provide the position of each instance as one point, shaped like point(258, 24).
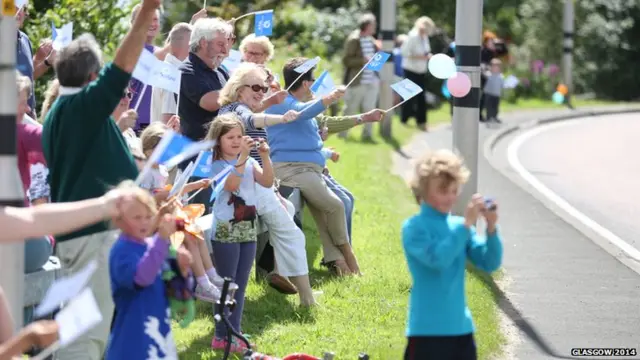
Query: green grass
point(355, 315)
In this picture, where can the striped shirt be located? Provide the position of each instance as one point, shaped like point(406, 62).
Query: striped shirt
point(246, 115)
point(368, 50)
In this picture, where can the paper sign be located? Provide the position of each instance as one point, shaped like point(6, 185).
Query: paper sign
point(182, 180)
point(145, 66)
point(232, 61)
point(190, 151)
point(217, 183)
point(203, 165)
point(323, 85)
point(78, 317)
point(65, 289)
point(378, 61)
point(264, 23)
point(165, 76)
point(62, 37)
point(406, 89)
point(307, 65)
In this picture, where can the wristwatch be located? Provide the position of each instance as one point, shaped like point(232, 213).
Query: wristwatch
point(359, 119)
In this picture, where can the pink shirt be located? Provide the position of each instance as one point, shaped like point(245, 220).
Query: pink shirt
point(31, 163)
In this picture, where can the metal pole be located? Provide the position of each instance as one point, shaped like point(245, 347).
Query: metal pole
point(466, 110)
point(567, 58)
point(11, 194)
point(388, 35)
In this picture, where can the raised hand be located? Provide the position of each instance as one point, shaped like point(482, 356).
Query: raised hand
point(174, 123)
point(263, 147)
point(167, 226)
point(373, 115)
point(471, 213)
point(290, 116)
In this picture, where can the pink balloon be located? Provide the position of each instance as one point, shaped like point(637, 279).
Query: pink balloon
point(459, 85)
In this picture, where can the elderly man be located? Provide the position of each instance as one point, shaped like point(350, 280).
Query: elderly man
point(163, 103)
point(139, 90)
point(359, 48)
point(87, 155)
point(32, 66)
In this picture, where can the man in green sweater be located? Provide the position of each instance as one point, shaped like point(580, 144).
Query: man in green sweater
point(87, 155)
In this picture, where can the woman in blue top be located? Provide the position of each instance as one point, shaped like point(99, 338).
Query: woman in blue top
point(437, 246)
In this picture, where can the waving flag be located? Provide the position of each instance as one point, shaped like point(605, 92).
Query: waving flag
point(378, 61)
point(147, 63)
point(264, 23)
point(203, 165)
point(182, 180)
point(307, 65)
point(189, 151)
point(171, 145)
point(323, 85)
point(217, 183)
point(406, 89)
point(61, 37)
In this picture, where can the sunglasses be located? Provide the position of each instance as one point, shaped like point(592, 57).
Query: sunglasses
point(258, 88)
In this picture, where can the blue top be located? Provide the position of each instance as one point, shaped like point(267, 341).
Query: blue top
point(397, 62)
point(142, 323)
point(299, 140)
point(24, 63)
point(437, 246)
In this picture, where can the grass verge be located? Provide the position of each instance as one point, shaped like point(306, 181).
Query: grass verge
point(356, 314)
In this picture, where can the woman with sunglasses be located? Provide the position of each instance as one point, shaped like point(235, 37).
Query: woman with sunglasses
point(244, 95)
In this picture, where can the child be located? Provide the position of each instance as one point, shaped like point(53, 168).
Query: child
point(141, 325)
point(437, 245)
point(493, 90)
point(208, 281)
point(345, 195)
point(234, 209)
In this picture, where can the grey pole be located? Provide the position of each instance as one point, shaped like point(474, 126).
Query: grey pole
point(567, 58)
point(11, 194)
point(388, 34)
point(466, 112)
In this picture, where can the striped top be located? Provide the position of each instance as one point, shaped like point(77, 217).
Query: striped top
point(368, 50)
point(246, 115)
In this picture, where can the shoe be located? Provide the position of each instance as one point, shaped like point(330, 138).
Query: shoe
point(209, 294)
point(497, 120)
point(281, 284)
point(236, 347)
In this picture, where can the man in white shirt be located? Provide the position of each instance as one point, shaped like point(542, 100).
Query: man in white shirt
point(163, 102)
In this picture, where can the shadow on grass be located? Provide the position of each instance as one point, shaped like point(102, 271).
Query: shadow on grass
point(397, 146)
point(515, 315)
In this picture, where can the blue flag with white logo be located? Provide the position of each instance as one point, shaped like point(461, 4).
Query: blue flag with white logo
point(217, 183)
point(264, 23)
point(203, 165)
point(171, 147)
point(323, 85)
point(378, 61)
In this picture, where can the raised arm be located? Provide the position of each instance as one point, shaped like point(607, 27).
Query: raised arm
point(336, 124)
point(129, 51)
point(485, 254)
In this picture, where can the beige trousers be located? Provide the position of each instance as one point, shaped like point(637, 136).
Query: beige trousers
point(74, 255)
point(325, 207)
point(361, 98)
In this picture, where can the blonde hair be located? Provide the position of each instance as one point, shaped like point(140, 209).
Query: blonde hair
point(425, 22)
point(151, 136)
point(23, 83)
point(439, 164)
point(257, 40)
point(141, 195)
point(495, 61)
point(50, 96)
point(219, 127)
point(180, 33)
point(229, 92)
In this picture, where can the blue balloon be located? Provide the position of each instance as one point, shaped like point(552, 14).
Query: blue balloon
point(557, 97)
point(445, 90)
point(442, 66)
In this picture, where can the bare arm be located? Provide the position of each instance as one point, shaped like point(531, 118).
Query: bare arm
point(162, 52)
point(46, 219)
point(6, 320)
point(264, 176)
point(129, 51)
point(209, 101)
point(235, 177)
point(39, 69)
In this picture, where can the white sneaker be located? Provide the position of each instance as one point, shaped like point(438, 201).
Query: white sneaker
point(209, 293)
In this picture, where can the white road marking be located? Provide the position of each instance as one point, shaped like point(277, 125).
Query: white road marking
point(514, 161)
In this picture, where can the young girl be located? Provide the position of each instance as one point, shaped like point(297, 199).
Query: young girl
point(234, 230)
point(209, 283)
point(141, 327)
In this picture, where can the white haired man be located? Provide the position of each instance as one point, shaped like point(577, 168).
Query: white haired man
point(163, 103)
point(87, 155)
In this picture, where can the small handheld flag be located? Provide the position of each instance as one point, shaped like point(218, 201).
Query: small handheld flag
point(169, 146)
point(304, 68)
point(264, 23)
point(61, 37)
point(217, 183)
point(406, 89)
point(375, 64)
point(182, 180)
point(189, 152)
point(203, 165)
point(323, 85)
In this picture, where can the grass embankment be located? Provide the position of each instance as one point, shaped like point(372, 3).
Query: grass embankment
point(355, 315)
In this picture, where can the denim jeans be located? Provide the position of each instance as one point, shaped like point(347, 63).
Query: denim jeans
point(345, 196)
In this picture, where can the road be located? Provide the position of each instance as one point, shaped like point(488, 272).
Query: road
point(592, 164)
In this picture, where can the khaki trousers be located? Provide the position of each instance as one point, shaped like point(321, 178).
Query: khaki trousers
point(74, 255)
point(325, 207)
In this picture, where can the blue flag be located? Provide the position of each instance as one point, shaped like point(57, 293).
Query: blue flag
point(217, 183)
point(323, 85)
point(378, 61)
point(406, 89)
point(264, 23)
point(203, 165)
point(172, 147)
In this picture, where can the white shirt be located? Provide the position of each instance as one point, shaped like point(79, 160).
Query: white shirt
point(413, 46)
point(162, 101)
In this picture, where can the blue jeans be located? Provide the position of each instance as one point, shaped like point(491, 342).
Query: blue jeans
point(36, 254)
point(345, 196)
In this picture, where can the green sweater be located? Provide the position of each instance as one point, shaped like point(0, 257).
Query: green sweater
point(85, 151)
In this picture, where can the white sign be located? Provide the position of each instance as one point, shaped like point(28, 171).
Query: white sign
point(65, 289)
point(78, 317)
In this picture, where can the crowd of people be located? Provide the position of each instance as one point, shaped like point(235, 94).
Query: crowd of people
point(100, 126)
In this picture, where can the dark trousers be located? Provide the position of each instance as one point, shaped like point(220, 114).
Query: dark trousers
point(417, 105)
point(492, 104)
point(461, 347)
